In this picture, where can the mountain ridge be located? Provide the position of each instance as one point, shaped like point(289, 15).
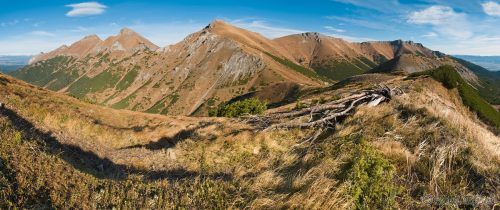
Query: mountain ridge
point(126, 40)
point(214, 65)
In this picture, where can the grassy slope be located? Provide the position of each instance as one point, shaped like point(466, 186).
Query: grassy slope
point(44, 72)
point(104, 80)
point(298, 68)
point(34, 174)
point(337, 71)
point(471, 98)
point(490, 81)
point(372, 160)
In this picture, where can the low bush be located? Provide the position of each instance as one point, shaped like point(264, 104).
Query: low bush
point(251, 106)
point(372, 178)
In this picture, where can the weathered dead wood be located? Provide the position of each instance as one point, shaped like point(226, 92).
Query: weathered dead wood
point(324, 116)
point(321, 121)
point(306, 111)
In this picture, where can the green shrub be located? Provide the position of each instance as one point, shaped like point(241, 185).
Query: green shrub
point(106, 79)
point(43, 72)
point(128, 79)
point(490, 81)
point(248, 106)
point(372, 178)
point(450, 78)
point(339, 70)
point(298, 68)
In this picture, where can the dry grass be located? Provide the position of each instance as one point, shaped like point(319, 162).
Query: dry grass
point(434, 143)
point(446, 105)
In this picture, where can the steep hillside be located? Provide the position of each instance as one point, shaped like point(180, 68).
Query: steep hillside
point(416, 151)
point(338, 59)
point(127, 72)
point(489, 86)
point(412, 63)
point(218, 64)
point(470, 97)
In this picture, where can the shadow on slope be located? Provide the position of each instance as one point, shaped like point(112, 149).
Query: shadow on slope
point(90, 163)
point(169, 142)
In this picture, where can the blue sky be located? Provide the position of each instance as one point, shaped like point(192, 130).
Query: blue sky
point(450, 26)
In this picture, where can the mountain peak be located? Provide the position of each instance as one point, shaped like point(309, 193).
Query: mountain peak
point(217, 23)
point(126, 40)
point(62, 47)
point(127, 31)
point(91, 37)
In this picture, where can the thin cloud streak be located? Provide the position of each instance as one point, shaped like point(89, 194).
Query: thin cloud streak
point(43, 33)
point(264, 28)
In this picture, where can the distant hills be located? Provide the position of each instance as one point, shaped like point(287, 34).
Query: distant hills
point(491, 63)
point(11, 63)
point(217, 64)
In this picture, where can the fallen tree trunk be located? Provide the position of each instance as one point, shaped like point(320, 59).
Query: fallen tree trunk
point(323, 121)
point(325, 116)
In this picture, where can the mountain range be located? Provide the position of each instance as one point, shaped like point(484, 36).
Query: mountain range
point(221, 62)
point(304, 121)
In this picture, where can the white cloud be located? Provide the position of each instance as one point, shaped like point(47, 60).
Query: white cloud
point(435, 15)
point(86, 9)
point(80, 29)
point(350, 38)
point(264, 28)
point(331, 28)
point(271, 31)
point(43, 33)
point(430, 35)
point(479, 45)
point(491, 8)
point(445, 21)
point(371, 24)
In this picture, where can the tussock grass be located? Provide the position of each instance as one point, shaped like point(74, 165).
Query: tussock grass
point(34, 176)
point(410, 153)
